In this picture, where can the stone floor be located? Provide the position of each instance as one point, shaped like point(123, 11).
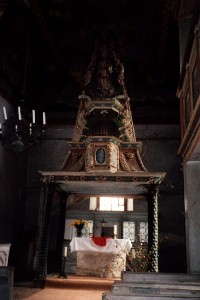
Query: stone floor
point(73, 288)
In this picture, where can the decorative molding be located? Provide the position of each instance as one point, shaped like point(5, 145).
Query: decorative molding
point(147, 177)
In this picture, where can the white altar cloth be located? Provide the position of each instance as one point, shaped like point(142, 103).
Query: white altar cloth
point(112, 245)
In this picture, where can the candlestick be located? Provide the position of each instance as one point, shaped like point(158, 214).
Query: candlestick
point(62, 272)
point(19, 113)
point(33, 116)
point(4, 112)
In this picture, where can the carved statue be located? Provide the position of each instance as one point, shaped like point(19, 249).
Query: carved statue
point(105, 74)
point(121, 74)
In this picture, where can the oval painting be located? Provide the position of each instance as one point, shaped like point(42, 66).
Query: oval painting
point(100, 155)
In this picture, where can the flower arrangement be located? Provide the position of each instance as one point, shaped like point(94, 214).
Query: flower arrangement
point(79, 224)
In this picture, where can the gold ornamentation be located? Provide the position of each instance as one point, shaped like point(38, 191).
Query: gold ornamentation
point(77, 163)
point(130, 161)
point(123, 162)
point(100, 178)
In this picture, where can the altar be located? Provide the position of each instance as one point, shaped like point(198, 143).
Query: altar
point(100, 256)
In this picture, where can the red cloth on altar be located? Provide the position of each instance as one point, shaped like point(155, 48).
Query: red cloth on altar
point(100, 241)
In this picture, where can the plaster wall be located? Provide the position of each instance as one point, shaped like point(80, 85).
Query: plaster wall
point(13, 172)
point(192, 211)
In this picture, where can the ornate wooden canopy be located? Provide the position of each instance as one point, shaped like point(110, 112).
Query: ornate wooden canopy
point(104, 155)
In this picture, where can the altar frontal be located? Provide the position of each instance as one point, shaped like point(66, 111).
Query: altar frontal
point(106, 261)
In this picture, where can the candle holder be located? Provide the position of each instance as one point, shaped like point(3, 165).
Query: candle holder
point(62, 272)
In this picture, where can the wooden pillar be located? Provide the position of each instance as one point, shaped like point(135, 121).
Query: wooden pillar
point(153, 191)
point(43, 230)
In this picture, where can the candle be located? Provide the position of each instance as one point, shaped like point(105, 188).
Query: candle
point(115, 229)
point(0, 125)
point(19, 113)
point(65, 251)
point(16, 127)
point(33, 116)
point(44, 118)
point(4, 112)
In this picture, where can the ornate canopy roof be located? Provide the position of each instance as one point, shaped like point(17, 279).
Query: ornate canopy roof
point(104, 156)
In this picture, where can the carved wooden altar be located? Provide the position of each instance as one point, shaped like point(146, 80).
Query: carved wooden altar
point(101, 261)
point(104, 156)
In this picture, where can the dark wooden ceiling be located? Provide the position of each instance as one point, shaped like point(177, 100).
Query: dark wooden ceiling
point(46, 47)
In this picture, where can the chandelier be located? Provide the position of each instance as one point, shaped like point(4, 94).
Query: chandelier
point(20, 130)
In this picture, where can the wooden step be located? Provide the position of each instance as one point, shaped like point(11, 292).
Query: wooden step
point(107, 296)
point(159, 277)
point(163, 289)
point(155, 286)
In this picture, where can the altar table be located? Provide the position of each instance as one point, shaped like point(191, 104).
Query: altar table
point(100, 261)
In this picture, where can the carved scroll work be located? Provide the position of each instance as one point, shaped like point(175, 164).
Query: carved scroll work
point(130, 160)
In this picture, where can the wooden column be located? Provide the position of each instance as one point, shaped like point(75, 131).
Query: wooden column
point(43, 229)
point(153, 191)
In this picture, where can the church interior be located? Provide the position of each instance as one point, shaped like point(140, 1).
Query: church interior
point(99, 131)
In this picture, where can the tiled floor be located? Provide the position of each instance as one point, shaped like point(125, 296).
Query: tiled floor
point(73, 288)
